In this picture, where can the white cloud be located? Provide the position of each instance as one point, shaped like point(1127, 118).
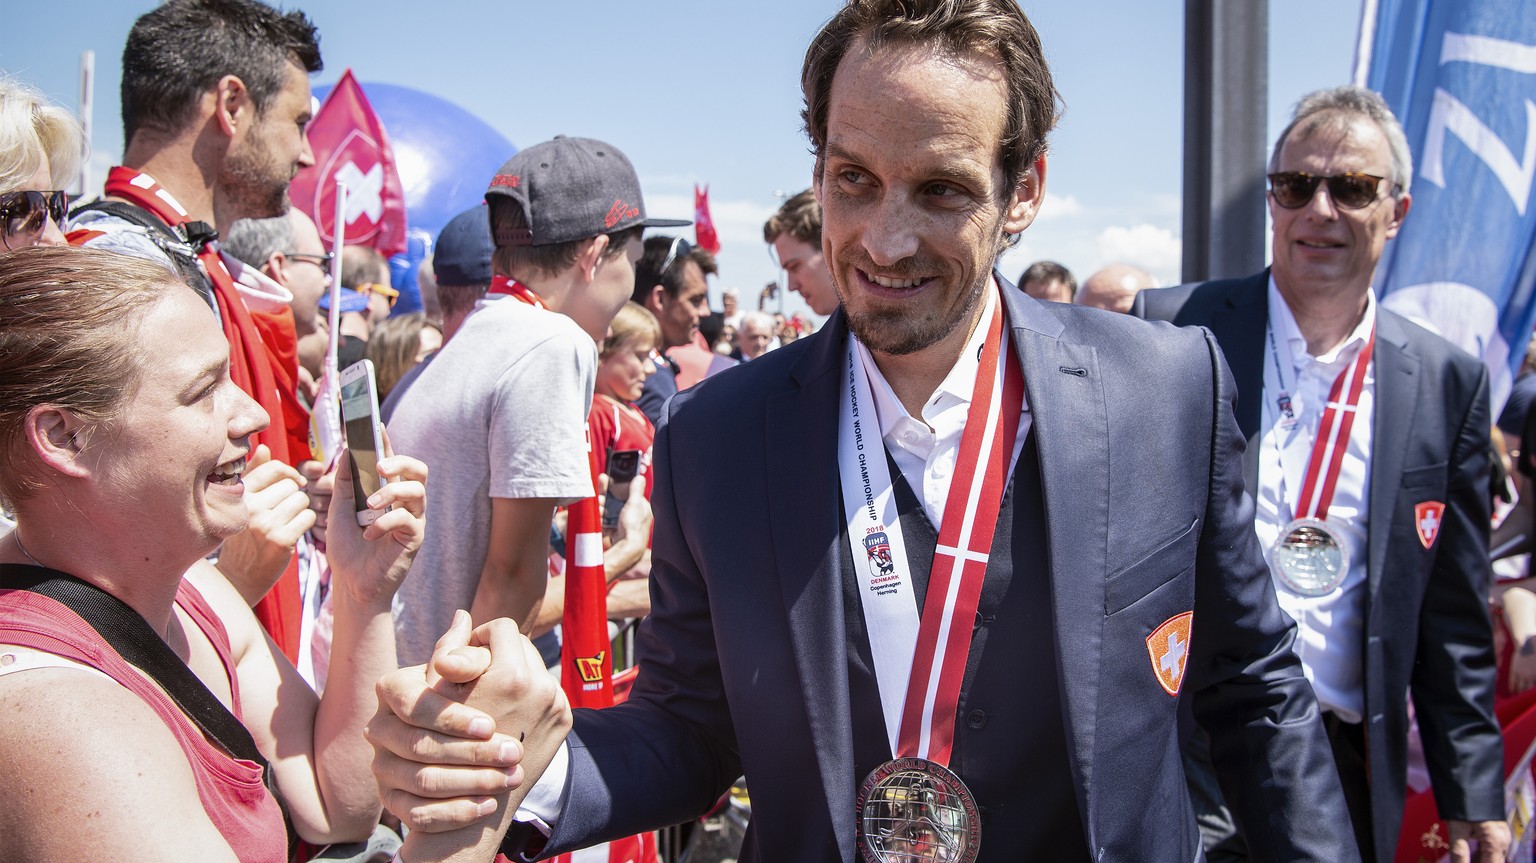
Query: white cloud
point(1156, 250)
point(1057, 206)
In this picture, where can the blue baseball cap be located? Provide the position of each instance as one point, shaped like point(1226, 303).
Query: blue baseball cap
point(463, 253)
point(351, 301)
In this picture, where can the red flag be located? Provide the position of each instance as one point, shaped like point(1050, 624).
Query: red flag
point(586, 657)
point(350, 145)
point(703, 225)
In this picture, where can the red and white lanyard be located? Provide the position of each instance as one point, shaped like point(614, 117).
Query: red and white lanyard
point(920, 661)
point(1332, 439)
point(512, 288)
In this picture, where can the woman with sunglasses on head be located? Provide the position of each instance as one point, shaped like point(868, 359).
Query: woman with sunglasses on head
point(124, 463)
point(40, 147)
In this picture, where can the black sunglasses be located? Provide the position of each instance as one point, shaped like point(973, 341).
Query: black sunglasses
point(323, 261)
point(1352, 190)
point(680, 248)
point(25, 214)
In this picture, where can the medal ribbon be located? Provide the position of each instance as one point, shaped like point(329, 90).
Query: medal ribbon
point(1332, 439)
point(513, 288)
point(941, 643)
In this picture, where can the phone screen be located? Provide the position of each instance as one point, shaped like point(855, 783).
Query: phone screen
point(357, 414)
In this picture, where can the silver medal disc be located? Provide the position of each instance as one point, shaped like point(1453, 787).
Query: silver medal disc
point(912, 810)
point(1310, 557)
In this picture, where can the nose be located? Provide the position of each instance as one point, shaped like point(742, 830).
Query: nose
point(889, 235)
point(53, 233)
point(248, 416)
point(1322, 204)
point(306, 152)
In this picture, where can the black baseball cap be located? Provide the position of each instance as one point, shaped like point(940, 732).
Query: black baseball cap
point(462, 255)
point(571, 189)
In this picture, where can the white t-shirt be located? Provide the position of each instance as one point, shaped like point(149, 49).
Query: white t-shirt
point(500, 413)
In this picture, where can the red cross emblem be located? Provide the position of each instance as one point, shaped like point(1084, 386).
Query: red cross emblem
point(1168, 645)
point(1426, 520)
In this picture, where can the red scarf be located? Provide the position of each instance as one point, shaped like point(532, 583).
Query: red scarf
point(251, 365)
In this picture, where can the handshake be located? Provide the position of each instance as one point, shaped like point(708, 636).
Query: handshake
point(460, 741)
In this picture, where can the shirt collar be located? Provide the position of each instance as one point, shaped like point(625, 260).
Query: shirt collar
point(956, 386)
point(1284, 322)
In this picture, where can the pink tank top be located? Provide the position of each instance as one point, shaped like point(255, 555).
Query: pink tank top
point(230, 788)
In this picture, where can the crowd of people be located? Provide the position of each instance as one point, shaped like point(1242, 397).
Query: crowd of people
point(1223, 544)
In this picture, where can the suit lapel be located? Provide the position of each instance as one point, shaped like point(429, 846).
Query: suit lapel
point(1238, 325)
point(801, 432)
point(1070, 423)
point(1397, 396)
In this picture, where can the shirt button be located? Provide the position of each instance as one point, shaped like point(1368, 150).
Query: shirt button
point(976, 718)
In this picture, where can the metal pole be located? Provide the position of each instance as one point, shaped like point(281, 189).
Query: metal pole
point(1226, 94)
point(87, 100)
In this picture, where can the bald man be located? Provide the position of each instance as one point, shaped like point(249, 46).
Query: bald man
point(1114, 288)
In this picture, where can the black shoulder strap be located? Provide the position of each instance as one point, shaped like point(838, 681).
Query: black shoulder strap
point(131, 213)
point(136, 642)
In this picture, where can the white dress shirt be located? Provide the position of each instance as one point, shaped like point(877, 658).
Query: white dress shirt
point(1330, 637)
point(926, 450)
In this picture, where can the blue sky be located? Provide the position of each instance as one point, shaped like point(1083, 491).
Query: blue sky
point(708, 92)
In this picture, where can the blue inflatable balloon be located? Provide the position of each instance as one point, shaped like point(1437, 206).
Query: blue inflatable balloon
point(446, 157)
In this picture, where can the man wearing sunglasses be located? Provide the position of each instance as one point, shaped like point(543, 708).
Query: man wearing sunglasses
point(1368, 460)
point(669, 282)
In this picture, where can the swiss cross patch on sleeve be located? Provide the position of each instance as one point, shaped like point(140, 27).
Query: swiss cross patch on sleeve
point(1426, 521)
point(1168, 645)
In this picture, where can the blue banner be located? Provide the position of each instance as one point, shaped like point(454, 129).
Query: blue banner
point(1461, 75)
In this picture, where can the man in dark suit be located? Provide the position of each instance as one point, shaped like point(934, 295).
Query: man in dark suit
point(1404, 610)
point(1094, 604)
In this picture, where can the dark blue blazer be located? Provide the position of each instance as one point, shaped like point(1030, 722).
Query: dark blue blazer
point(1427, 629)
point(744, 657)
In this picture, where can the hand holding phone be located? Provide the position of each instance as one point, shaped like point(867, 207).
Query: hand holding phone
point(365, 442)
point(623, 467)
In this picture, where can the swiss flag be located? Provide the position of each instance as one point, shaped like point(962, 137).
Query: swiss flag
point(703, 225)
point(350, 145)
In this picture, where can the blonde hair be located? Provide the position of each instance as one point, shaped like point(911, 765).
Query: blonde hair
point(632, 321)
point(31, 130)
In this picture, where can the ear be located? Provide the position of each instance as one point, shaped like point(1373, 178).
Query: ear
point(276, 268)
point(655, 299)
point(58, 438)
point(233, 107)
point(1400, 209)
point(1028, 195)
point(591, 257)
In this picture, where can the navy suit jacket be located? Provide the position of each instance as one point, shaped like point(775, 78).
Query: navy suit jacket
point(743, 661)
point(1427, 629)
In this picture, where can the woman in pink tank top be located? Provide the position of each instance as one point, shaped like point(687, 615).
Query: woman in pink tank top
point(125, 443)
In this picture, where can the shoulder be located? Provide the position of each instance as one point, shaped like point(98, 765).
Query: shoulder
point(111, 233)
point(1193, 302)
point(1459, 373)
point(91, 767)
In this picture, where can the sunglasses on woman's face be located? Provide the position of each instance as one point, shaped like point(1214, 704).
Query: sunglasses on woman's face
point(1352, 191)
point(23, 215)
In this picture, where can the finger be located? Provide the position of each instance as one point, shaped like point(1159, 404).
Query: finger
point(311, 469)
point(258, 457)
point(456, 636)
point(637, 486)
point(271, 475)
point(409, 494)
point(602, 483)
point(389, 448)
point(413, 703)
point(341, 491)
point(1461, 851)
point(389, 734)
point(405, 526)
point(463, 664)
point(443, 782)
point(403, 467)
point(436, 816)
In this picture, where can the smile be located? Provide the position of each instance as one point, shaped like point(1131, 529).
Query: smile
point(892, 284)
point(228, 473)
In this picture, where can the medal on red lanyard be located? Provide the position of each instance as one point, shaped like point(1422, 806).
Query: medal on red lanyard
point(501, 285)
point(1310, 556)
point(914, 807)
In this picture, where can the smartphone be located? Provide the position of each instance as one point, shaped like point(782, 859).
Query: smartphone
point(365, 443)
point(623, 467)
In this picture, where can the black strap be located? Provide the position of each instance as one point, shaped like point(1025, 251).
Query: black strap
point(181, 245)
point(137, 643)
